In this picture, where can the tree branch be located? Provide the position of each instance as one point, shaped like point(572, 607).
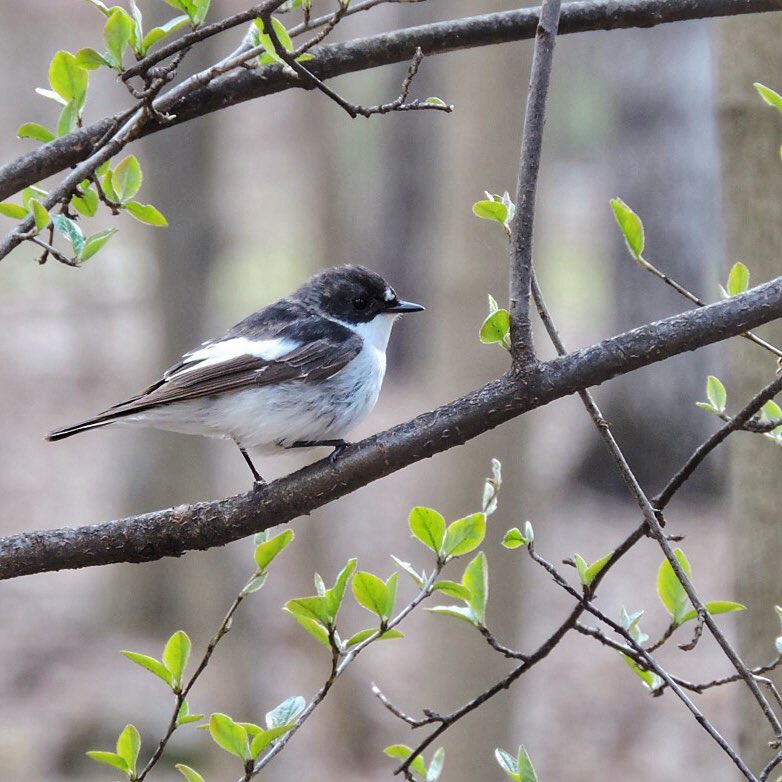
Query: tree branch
point(371, 52)
point(173, 531)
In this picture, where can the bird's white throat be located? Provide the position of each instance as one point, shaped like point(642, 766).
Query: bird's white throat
point(376, 332)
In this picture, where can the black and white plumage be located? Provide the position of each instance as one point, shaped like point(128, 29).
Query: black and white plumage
point(303, 371)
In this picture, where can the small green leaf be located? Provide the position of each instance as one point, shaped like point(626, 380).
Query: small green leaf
point(175, 656)
point(158, 33)
point(286, 712)
point(128, 746)
point(110, 759)
point(266, 552)
point(403, 752)
point(86, 203)
point(117, 34)
point(391, 584)
point(581, 568)
point(464, 535)
point(650, 679)
point(42, 218)
point(36, 131)
point(526, 771)
point(263, 738)
point(460, 612)
point(738, 279)
point(508, 763)
point(31, 192)
point(670, 590)
point(68, 119)
point(90, 60)
point(337, 592)
point(151, 664)
point(491, 210)
point(229, 735)
point(70, 230)
point(436, 766)
point(282, 36)
point(408, 568)
point(184, 716)
point(254, 584)
point(596, 568)
point(513, 538)
point(371, 593)
point(435, 101)
point(769, 96)
point(631, 226)
point(707, 407)
point(95, 242)
point(126, 178)
point(312, 626)
point(67, 78)
point(101, 6)
point(496, 328)
point(715, 607)
point(362, 636)
point(190, 774)
point(476, 581)
point(146, 213)
point(316, 608)
point(50, 95)
point(13, 210)
point(452, 589)
point(428, 526)
point(716, 393)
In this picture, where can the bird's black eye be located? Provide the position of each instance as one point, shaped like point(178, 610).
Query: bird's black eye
point(360, 303)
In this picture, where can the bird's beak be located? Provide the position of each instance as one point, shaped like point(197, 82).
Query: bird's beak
point(401, 307)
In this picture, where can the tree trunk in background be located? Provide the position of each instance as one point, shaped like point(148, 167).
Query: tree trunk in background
point(663, 163)
point(751, 131)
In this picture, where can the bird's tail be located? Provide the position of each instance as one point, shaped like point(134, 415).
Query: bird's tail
point(84, 426)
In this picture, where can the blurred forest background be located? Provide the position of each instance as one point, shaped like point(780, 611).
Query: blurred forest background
point(260, 196)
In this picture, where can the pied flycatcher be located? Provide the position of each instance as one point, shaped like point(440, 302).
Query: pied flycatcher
point(301, 372)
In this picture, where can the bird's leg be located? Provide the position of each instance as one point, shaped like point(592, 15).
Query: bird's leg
point(338, 446)
point(256, 475)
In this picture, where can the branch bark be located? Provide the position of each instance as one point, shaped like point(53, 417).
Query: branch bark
point(173, 531)
point(372, 52)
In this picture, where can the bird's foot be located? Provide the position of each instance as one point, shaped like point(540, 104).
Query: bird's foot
point(338, 446)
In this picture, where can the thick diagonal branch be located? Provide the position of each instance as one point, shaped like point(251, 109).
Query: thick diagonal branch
point(176, 530)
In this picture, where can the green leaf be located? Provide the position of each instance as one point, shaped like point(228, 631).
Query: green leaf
point(707, 407)
point(581, 568)
point(265, 39)
point(266, 552)
point(362, 636)
point(312, 626)
point(184, 716)
point(716, 393)
point(110, 759)
point(70, 230)
point(32, 192)
point(158, 33)
point(86, 203)
point(596, 568)
point(50, 95)
point(738, 279)
point(769, 96)
point(476, 581)
point(286, 712)
point(771, 411)
point(670, 590)
point(408, 568)
point(337, 592)
point(126, 178)
point(650, 679)
point(13, 210)
point(435, 101)
point(428, 526)
point(715, 607)
point(117, 34)
point(67, 78)
point(36, 131)
point(630, 623)
point(146, 213)
point(436, 766)
point(254, 584)
point(491, 210)
point(136, 39)
point(631, 226)
point(200, 10)
point(465, 535)
point(95, 242)
point(508, 763)
point(128, 746)
point(67, 120)
point(391, 584)
point(496, 328)
point(90, 60)
point(526, 771)
point(371, 593)
point(460, 612)
point(175, 656)
point(190, 774)
point(513, 538)
point(263, 738)
point(229, 735)
point(42, 218)
point(452, 589)
point(151, 664)
point(403, 752)
point(316, 608)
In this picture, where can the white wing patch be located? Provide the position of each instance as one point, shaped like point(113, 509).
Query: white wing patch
point(219, 352)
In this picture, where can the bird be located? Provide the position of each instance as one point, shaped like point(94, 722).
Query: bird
point(299, 373)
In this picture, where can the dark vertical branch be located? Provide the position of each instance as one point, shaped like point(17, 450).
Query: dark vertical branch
point(531, 143)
